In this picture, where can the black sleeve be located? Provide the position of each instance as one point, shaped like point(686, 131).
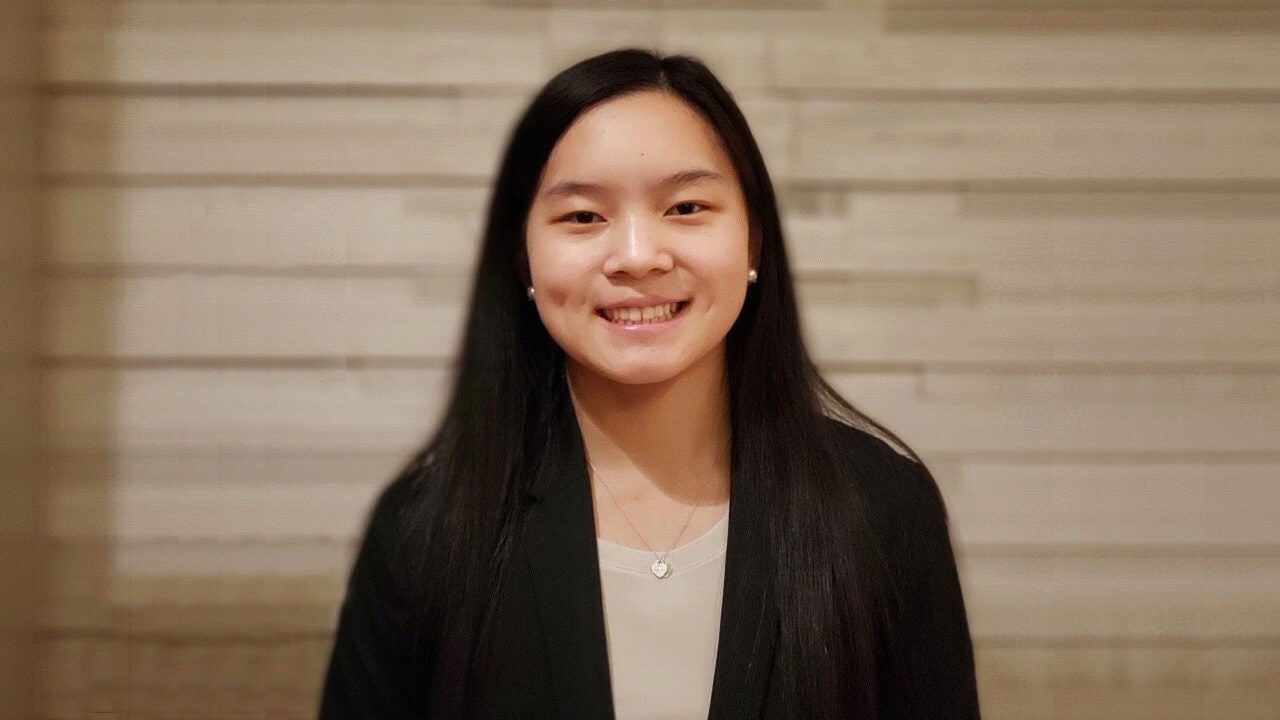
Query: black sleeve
point(370, 674)
point(932, 673)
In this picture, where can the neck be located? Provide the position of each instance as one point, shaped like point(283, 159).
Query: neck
point(672, 436)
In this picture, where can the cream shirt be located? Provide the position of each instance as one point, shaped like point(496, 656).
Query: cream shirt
point(662, 633)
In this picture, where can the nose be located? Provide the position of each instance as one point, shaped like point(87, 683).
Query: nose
point(637, 247)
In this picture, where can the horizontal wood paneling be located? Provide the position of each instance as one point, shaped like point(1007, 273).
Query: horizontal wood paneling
point(1088, 425)
point(918, 141)
point(246, 316)
point(296, 558)
point(259, 43)
point(323, 136)
point(375, 409)
point(1173, 681)
point(830, 57)
point(1062, 245)
point(266, 227)
point(244, 512)
point(1151, 505)
point(1120, 596)
point(1203, 19)
point(240, 135)
point(859, 47)
point(933, 141)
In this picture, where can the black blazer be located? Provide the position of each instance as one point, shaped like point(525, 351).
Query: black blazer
point(550, 621)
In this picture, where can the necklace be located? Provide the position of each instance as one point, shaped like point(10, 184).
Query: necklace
point(660, 567)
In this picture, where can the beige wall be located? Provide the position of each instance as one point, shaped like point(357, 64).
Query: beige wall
point(1038, 239)
point(21, 479)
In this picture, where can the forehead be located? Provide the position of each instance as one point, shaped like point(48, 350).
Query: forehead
point(638, 137)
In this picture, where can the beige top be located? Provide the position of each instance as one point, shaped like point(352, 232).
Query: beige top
point(662, 633)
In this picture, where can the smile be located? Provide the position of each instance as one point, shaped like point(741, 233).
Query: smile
point(642, 315)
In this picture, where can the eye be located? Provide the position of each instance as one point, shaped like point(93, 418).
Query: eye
point(688, 208)
point(581, 217)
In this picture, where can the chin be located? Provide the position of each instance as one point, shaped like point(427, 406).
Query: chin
point(642, 376)
point(634, 374)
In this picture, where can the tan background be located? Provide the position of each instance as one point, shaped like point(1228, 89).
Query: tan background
point(1038, 239)
point(21, 482)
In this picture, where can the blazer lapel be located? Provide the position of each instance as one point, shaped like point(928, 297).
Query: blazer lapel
point(560, 542)
point(561, 552)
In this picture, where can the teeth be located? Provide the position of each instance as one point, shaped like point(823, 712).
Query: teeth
point(653, 313)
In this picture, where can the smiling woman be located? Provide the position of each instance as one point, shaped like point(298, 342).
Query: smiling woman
point(643, 500)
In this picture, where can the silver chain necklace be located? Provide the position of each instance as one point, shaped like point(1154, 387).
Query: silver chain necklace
point(660, 567)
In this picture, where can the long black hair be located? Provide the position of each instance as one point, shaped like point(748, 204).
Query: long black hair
point(465, 510)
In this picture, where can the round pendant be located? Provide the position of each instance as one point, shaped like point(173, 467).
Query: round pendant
point(660, 568)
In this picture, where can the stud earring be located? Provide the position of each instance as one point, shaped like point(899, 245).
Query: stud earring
point(529, 292)
point(752, 275)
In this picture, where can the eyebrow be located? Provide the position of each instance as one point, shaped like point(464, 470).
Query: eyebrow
point(566, 188)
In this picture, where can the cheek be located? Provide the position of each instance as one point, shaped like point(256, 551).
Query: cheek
point(561, 279)
point(536, 255)
point(727, 267)
point(557, 296)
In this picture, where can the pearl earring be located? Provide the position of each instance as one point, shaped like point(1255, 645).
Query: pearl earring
point(529, 292)
point(752, 275)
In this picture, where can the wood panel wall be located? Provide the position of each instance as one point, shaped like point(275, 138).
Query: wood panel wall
point(21, 481)
point(1038, 239)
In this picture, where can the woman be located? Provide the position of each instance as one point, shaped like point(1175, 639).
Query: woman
point(643, 501)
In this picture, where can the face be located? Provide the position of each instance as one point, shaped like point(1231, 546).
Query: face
point(638, 241)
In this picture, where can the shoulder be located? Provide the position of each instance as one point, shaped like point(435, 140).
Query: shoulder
point(383, 520)
point(872, 457)
point(387, 525)
point(897, 488)
point(927, 650)
point(866, 443)
point(374, 666)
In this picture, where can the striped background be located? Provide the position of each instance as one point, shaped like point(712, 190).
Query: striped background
point(1037, 238)
point(21, 483)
